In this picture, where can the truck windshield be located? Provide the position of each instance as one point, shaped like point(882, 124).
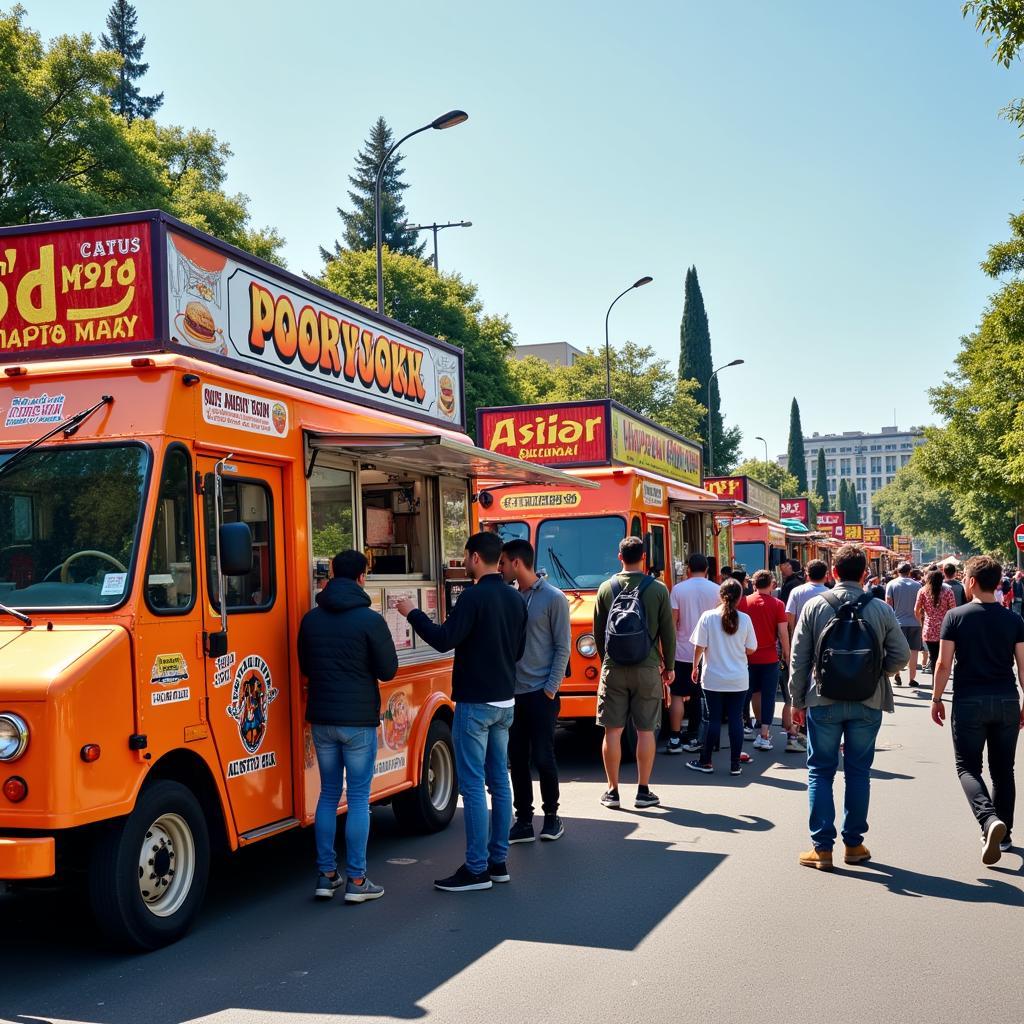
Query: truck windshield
point(69, 523)
point(579, 554)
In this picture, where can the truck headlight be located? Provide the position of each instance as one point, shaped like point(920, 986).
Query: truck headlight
point(13, 736)
point(587, 645)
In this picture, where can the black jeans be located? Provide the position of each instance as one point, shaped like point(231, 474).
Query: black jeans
point(532, 738)
point(733, 705)
point(995, 721)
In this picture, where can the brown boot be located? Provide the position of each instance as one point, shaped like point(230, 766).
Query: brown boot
point(855, 854)
point(820, 859)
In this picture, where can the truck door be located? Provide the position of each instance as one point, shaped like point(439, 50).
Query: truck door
point(249, 694)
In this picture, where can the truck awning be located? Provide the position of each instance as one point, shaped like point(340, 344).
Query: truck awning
point(432, 453)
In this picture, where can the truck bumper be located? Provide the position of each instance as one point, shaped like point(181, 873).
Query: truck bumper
point(582, 705)
point(23, 857)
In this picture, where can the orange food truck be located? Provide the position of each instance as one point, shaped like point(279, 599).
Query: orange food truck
point(648, 484)
point(759, 541)
point(189, 434)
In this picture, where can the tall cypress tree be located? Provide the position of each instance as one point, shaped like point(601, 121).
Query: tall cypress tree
point(124, 39)
point(695, 364)
point(796, 459)
point(841, 495)
point(852, 505)
point(360, 230)
point(821, 488)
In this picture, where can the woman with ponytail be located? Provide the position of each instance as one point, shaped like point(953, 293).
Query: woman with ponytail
point(934, 599)
point(722, 639)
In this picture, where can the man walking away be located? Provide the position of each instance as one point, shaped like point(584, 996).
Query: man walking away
point(817, 570)
point(344, 649)
point(636, 642)
point(771, 628)
point(1018, 591)
point(949, 571)
point(792, 577)
point(901, 596)
point(487, 629)
point(689, 599)
point(865, 646)
point(986, 640)
point(539, 674)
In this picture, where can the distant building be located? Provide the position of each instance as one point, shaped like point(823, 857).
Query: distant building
point(869, 460)
point(557, 353)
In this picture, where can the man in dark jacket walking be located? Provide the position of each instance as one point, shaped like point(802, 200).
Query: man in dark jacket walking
point(344, 649)
point(487, 629)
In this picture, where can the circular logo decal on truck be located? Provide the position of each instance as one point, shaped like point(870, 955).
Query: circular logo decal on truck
point(252, 693)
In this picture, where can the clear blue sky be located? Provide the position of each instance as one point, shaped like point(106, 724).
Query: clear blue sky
point(834, 171)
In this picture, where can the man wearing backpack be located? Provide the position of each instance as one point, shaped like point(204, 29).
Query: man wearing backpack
point(853, 643)
point(636, 641)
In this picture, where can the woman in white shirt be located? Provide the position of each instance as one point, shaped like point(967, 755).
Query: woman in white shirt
point(722, 639)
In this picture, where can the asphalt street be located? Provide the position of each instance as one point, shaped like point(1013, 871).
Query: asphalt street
point(696, 910)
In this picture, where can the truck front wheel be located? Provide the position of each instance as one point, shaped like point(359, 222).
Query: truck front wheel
point(149, 871)
point(430, 806)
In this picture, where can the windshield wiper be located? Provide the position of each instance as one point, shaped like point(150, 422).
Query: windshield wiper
point(69, 426)
point(562, 571)
point(20, 616)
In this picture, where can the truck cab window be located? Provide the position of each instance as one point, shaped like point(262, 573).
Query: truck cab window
point(245, 501)
point(170, 568)
point(509, 531)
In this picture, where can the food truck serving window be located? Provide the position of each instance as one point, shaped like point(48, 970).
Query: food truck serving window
point(579, 554)
point(245, 501)
point(396, 508)
point(750, 555)
point(69, 525)
point(170, 568)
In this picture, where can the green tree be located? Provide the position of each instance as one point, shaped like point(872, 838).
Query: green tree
point(695, 364)
point(770, 473)
point(796, 460)
point(821, 486)
point(640, 382)
point(360, 227)
point(124, 39)
point(849, 503)
point(919, 509)
point(443, 305)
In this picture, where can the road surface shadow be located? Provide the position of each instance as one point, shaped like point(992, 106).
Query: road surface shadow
point(904, 882)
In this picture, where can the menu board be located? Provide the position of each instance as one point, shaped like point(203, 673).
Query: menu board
point(401, 631)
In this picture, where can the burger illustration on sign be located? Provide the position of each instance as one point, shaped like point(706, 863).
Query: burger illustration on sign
point(279, 416)
point(446, 395)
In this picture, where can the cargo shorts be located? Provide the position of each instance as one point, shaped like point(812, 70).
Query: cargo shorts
point(630, 691)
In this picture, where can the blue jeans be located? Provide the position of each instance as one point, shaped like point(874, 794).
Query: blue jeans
point(856, 727)
point(480, 732)
point(764, 679)
point(352, 750)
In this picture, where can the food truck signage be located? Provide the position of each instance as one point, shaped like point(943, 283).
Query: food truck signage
point(872, 535)
point(795, 508)
point(145, 282)
point(765, 499)
point(539, 500)
point(640, 443)
point(854, 531)
point(904, 545)
point(833, 523)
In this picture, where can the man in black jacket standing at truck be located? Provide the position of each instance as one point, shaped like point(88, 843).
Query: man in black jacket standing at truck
point(344, 649)
point(487, 629)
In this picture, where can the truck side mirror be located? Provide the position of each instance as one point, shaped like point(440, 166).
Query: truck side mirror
point(235, 549)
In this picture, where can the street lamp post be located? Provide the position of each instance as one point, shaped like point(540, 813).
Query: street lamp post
point(449, 120)
point(435, 228)
point(765, 443)
point(711, 425)
point(607, 346)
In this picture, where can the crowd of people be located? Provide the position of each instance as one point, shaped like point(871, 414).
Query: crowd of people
point(831, 640)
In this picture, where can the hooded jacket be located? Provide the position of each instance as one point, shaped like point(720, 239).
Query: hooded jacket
point(344, 650)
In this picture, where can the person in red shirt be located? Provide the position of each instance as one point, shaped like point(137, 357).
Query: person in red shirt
point(771, 628)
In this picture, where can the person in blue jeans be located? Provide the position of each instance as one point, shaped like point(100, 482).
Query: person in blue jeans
point(487, 630)
point(345, 649)
point(847, 724)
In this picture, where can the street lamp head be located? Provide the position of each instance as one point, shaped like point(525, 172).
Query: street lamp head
point(735, 362)
point(466, 224)
point(643, 281)
point(449, 120)
point(758, 437)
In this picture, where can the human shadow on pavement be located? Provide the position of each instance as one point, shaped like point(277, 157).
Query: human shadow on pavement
point(904, 882)
point(262, 943)
point(688, 818)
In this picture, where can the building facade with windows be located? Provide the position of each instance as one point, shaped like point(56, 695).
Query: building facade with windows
point(557, 353)
point(869, 461)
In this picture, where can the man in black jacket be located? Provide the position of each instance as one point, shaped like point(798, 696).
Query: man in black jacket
point(344, 649)
point(487, 629)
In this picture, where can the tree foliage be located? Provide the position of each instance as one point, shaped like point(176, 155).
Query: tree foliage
point(126, 98)
point(918, 508)
point(640, 381)
point(796, 459)
point(821, 484)
point(1001, 22)
point(443, 305)
point(770, 473)
point(360, 220)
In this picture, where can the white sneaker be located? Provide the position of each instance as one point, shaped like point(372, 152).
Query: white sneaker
point(759, 742)
point(748, 734)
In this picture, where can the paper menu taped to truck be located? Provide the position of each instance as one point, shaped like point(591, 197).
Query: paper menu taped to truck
point(401, 631)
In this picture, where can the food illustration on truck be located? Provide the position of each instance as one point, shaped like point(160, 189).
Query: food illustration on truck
point(251, 696)
point(397, 721)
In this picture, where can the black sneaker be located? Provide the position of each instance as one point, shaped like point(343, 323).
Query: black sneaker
point(1006, 844)
point(326, 887)
point(464, 880)
point(674, 745)
point(521, 832)
point(611, 799)
point(699, 766)
point(553, 827)
point(647, 799)
point(498, 872)
point(896, 679)
point(735, 769)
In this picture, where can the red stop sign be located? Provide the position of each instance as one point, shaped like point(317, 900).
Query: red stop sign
point(1018, 537)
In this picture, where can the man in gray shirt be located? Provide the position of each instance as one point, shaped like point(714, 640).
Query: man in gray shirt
point(539, 674)
point(901, 596)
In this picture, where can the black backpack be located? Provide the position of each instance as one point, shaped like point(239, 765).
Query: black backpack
point(627, 639)
point(848, 654)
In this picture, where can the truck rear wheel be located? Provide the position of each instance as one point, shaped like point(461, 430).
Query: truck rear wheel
point(430, 806)
point(149, 872)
